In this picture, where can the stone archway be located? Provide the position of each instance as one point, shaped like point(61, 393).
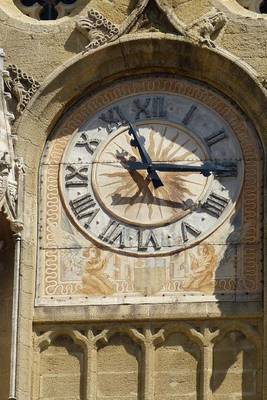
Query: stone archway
point(86, 72)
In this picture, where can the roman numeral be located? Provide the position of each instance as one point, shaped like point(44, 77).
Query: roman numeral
point(113, 118)
point(83, 207)
point(150, 108)
point(189, 115)
point(158, 107)
point(142, 108)
point(76, 176)
point(145, 240)
point(89, 143)
point(215, 204)
point(114, 232)
point(216, 137)
point(187, 228)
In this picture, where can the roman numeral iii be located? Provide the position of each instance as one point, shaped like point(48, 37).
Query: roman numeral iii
point(215, 137)
point(215, 204)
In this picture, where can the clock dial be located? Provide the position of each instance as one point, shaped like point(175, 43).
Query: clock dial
point(129, 195)
point(117, 204)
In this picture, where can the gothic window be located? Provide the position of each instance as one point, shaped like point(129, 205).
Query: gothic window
point(258, 6)
point(45, 9)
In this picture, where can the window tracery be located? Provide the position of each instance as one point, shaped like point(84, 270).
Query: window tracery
point(258, 6)
point(46, 9)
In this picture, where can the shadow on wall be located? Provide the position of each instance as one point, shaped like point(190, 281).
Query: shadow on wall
point(6, 289)
point(236, 366)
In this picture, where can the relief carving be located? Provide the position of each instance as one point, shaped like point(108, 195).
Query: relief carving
point(148, 15)
point(97, 29)
point(152, 16)
point(208, 28)
point(10, 171)
point(21, 86)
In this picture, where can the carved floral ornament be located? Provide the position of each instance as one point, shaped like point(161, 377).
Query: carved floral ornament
point(151, 16)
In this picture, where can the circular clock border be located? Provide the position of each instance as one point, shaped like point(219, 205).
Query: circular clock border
point(198, 92)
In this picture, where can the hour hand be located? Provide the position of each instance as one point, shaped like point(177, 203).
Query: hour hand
point(138, 141)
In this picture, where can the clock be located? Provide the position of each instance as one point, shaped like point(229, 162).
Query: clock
point(151, 172)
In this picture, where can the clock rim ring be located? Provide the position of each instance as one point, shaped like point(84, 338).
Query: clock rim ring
point(179, 81)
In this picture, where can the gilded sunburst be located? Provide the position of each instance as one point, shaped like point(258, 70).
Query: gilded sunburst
point(130, 195)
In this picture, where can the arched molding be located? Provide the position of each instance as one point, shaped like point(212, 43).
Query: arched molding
point(45, 340)
point(86, 72)
point(253, 336)
point(181, 327)
point(247, 330)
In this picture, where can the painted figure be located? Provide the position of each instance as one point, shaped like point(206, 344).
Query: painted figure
point(94, 280)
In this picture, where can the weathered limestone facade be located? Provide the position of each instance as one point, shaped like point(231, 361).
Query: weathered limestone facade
point(111, 285)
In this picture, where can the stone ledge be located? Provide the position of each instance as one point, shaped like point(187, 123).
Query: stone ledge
point(229, 310)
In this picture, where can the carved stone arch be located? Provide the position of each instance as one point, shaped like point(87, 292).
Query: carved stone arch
point(178, 358)
point(84, 72)
point(187, 330)
point(87, 72)
point(119, 364)
point(68, 350)
point(250, 332)
point(254, 354)
point(44, 341)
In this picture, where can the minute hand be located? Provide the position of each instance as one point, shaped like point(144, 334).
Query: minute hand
point(224, 169)
point(139, 143)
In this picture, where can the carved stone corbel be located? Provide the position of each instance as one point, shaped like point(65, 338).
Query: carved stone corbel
point(20, 85)
point(97, 29)
point(205, 30)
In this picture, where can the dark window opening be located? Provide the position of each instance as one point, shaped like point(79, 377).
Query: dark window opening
point(263, 7)
point(48, 7)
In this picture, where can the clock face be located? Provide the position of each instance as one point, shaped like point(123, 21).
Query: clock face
point(110, 193)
